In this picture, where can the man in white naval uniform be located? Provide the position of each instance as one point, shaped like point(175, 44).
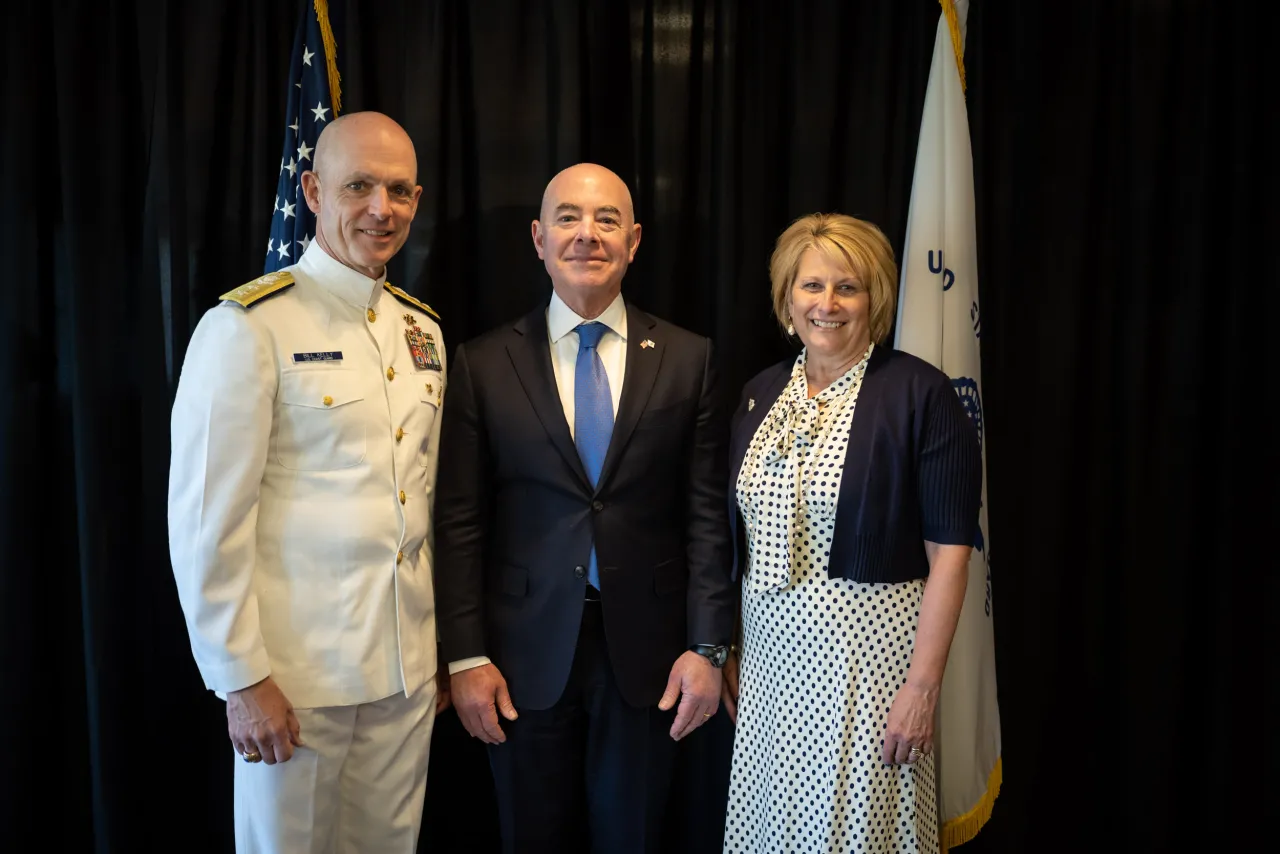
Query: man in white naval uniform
point(305, 435)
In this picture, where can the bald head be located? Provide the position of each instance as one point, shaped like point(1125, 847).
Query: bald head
point(590, 177)
point(358, 130)
point(363, 190)
point(586, 235)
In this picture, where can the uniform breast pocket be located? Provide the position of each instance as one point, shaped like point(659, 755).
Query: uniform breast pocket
point(430, 395)
point(319, 421)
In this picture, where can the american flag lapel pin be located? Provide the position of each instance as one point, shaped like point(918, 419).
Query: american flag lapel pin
point(646, 344)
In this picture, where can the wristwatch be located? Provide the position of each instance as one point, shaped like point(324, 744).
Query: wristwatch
point(717, 655)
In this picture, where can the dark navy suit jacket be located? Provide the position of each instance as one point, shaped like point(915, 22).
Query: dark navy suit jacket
point(516, 515)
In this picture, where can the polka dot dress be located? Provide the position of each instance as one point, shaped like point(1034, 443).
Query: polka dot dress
point(823, 658)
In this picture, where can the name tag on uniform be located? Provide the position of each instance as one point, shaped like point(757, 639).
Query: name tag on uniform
point(331, 356)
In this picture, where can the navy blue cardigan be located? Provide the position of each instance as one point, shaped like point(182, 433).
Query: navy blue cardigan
point(912, 470)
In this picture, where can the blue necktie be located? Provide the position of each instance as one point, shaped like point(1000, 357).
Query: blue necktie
point(592, 413)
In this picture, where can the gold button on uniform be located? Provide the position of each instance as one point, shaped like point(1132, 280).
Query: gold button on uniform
point(399, 556)
point(402, 496)
point(328, 401)
point(391, 373)
point(399, 433)
point(372, 316)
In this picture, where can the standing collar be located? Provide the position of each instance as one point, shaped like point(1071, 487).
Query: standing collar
point(561, 320)
point(339, 279)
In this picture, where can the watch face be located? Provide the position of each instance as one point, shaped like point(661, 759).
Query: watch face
point(717, 655)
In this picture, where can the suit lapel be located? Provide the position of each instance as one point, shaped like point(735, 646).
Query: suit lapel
point(530, 355)
point(637, 385)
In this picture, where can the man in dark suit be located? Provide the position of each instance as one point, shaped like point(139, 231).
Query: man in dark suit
point(582, 549)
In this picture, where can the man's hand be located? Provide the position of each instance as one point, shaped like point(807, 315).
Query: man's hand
point(261, 723)
point(697, 684)
point(478, 694)
point(729, 691)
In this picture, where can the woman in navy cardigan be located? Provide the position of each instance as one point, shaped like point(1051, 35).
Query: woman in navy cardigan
point(856, 478)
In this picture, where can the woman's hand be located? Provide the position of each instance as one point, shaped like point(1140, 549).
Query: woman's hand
point(911, 716)
point(910, 724)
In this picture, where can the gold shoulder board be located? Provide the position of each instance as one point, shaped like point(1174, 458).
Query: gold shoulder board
point(263, 286)
point(404, 297)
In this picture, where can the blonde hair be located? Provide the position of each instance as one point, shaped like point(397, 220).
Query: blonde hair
point(859, 244)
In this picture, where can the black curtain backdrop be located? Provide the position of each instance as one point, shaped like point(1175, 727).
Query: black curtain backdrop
point(1126, 185)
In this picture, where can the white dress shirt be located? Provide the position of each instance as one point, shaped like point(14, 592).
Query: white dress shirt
point(562, 330)
point(562, 337)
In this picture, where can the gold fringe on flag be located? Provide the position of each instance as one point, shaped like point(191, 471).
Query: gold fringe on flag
point(331, 54)
point(962, 828)
point(957, 42)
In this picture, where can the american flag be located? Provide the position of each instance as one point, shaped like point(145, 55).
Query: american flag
point(311, 107)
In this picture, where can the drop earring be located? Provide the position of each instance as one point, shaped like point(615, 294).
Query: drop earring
point(791, 330)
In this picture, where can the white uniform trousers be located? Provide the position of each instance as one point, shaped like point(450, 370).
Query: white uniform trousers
point(358, 784)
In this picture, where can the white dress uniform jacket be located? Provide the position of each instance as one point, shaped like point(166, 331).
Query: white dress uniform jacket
point(305, 433)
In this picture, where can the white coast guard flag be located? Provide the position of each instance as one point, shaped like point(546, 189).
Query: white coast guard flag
point(939, 321)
